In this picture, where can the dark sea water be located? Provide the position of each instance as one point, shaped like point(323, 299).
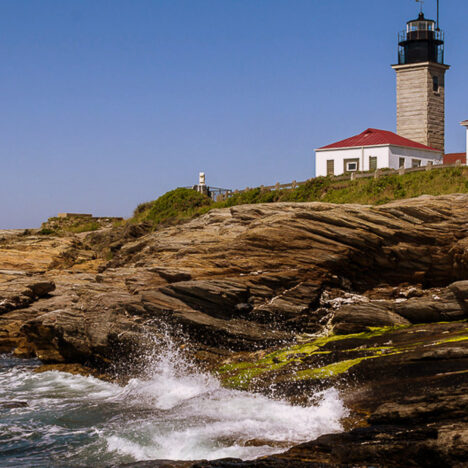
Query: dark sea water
point(55, 419)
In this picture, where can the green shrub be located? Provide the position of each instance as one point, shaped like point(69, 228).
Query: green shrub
point(46, 232)
point(142, 208)
point(84, 227)
point(173, 206)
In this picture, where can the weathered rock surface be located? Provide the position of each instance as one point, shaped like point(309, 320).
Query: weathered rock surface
point(445, 306)
point(355, 318)
point(31, 253)
point(244, 283)
point(21, 293)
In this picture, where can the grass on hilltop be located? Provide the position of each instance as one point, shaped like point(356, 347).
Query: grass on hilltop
point(181, 204)
point(177, 204)
point(62, 226)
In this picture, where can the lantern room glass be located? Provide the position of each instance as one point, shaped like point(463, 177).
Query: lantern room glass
point(420, 26)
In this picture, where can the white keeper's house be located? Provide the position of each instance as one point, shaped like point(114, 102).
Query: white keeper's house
point(373, 149)
point(465, 124)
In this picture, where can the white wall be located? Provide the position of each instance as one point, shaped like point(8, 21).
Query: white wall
point(387, 157)
point(465, 124)
point(409, 154)
point(467, 144)
point(339, 155)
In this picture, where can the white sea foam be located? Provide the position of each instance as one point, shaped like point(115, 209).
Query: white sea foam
point(221, 423)
point(175, 412)
point(194, 417)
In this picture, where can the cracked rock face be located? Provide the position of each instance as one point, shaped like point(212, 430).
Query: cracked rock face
point(239, 282)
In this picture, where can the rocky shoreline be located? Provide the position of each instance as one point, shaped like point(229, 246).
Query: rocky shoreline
point(283, 299)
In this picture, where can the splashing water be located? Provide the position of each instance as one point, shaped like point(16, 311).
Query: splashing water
point(174, 413)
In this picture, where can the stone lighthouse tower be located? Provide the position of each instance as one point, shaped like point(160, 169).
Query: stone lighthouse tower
point(421, 83)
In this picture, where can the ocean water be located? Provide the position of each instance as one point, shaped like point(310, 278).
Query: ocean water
point(55, 419)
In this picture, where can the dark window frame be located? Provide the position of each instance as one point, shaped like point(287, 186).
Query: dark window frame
point(350, 161)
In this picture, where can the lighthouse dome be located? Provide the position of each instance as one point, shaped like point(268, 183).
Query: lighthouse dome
point(421, 42)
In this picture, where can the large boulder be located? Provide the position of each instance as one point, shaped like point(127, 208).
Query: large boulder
point(355, 318)
point(445, 306)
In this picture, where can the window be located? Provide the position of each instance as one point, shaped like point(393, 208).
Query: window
point(435, 84)
point(351, 165)
point(415, 163)
point(401, 162)
point(330, 167)
point(372, 163)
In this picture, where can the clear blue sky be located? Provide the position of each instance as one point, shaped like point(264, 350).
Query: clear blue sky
point(108, 103)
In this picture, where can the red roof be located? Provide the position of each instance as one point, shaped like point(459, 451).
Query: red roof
point(375, 137)
point(452, 158)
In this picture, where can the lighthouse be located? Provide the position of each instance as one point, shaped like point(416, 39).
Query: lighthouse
point(420, 76)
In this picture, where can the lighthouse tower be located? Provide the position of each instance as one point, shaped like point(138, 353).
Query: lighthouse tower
point(421, 83)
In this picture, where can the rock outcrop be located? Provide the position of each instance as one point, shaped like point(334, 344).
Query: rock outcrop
point(304, 295)
point(252, 276)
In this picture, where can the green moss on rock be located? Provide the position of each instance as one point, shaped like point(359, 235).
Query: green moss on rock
point(241, 374)
point(331, 370)
point(454, 339)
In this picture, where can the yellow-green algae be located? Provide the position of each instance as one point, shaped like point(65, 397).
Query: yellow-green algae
point(455, 339)
point(244, 372)
point(240, 374)
point(342, 366)
point(242, 380)
point(373, 332)
point(330, 370)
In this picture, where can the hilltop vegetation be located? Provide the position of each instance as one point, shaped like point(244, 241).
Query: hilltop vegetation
point(172, 206)
point(77, 224)
point(181, 203)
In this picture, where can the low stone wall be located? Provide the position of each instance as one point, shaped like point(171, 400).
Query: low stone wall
point(74, 215)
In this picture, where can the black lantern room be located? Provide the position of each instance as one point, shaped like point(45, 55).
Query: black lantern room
point(421, 42)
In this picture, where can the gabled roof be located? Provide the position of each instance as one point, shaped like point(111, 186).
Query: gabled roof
point(375, 137)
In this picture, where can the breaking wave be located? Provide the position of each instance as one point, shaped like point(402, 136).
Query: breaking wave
point(175, 412)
